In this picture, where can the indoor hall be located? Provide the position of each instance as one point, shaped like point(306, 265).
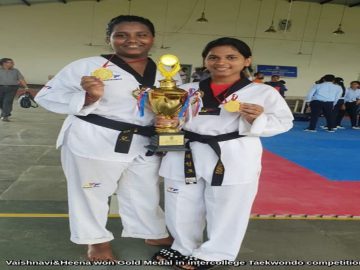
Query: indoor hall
point(307, 206)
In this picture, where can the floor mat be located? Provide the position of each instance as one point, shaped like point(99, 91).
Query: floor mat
point(335, 156)
point(310, 174)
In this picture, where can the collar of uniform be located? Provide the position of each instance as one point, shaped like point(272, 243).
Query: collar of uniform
point(147, 80)
point(210, 101)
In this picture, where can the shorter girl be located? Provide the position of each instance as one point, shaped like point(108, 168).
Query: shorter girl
point(215, 182)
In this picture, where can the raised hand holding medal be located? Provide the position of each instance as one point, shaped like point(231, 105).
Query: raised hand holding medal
point(93, 85)
point(94, 88)
point(248, 110)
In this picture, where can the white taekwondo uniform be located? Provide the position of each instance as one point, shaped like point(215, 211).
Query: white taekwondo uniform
point(225, 208)
point(94, 171)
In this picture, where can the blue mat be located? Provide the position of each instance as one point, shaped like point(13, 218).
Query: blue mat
point(336, 156)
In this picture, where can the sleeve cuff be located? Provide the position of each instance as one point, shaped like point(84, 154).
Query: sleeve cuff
point(259, 125)
point(254, 129)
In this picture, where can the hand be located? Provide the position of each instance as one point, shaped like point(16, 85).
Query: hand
point(93, 86)
point(251, 111)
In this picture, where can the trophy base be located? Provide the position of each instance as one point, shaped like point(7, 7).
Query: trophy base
point(165, 142)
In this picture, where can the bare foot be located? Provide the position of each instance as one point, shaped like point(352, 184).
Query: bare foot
point(160, 242)
point(100, 252)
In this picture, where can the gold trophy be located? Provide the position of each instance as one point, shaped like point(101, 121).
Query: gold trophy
point(167, 102)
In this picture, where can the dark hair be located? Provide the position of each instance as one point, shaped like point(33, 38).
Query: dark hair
point(340, 81)
point(355, 82)
point(275, 75)
point(4, 60)
point(129, 18)
point(321, 80)
point(328, 78)
point(239, 45)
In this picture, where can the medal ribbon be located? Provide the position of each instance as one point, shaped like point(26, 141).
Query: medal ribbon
point(198, 103)
point(234, 97)
point(192, 92)
point(141, 101)
point(107, 62)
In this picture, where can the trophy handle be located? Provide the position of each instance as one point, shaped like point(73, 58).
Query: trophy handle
point(168, 74)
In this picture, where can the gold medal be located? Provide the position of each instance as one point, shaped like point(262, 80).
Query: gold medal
point(232, 106)
point(102, 74)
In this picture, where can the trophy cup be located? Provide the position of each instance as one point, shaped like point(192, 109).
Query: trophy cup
point(168, 102)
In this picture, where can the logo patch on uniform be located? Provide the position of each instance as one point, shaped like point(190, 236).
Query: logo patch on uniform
point(210, 111)
point(91, 185)
point(172, 190)
point(115, 77)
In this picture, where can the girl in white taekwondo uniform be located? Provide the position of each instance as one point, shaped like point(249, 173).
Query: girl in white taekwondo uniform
point(103, 139)
point(215, 183)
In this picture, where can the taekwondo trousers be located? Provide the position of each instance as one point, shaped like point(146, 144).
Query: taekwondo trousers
point(90, 184)
point(224, 209)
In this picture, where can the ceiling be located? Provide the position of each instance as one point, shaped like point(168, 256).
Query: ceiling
point(350, 3)
point(35, 2)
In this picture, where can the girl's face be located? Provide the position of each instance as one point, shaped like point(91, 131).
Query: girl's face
point(131, 39)
point(226, 63)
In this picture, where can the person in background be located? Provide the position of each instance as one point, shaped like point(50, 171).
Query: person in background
point(103, 139)
point(10, 79)
point(196, 75)
point(322, 98)
point(211, 184)
point(183, 74)
point(339, 109)
point(352, 102)
point(275, 82)
point(200, 74)
point(258, 77)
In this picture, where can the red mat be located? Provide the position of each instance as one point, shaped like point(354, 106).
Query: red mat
point(289, 189)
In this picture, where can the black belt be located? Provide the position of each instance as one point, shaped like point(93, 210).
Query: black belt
point(213, 142)
point(8, 85)
point(127, 130)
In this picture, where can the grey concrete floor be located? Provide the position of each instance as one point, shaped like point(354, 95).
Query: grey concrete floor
point(31, 181)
